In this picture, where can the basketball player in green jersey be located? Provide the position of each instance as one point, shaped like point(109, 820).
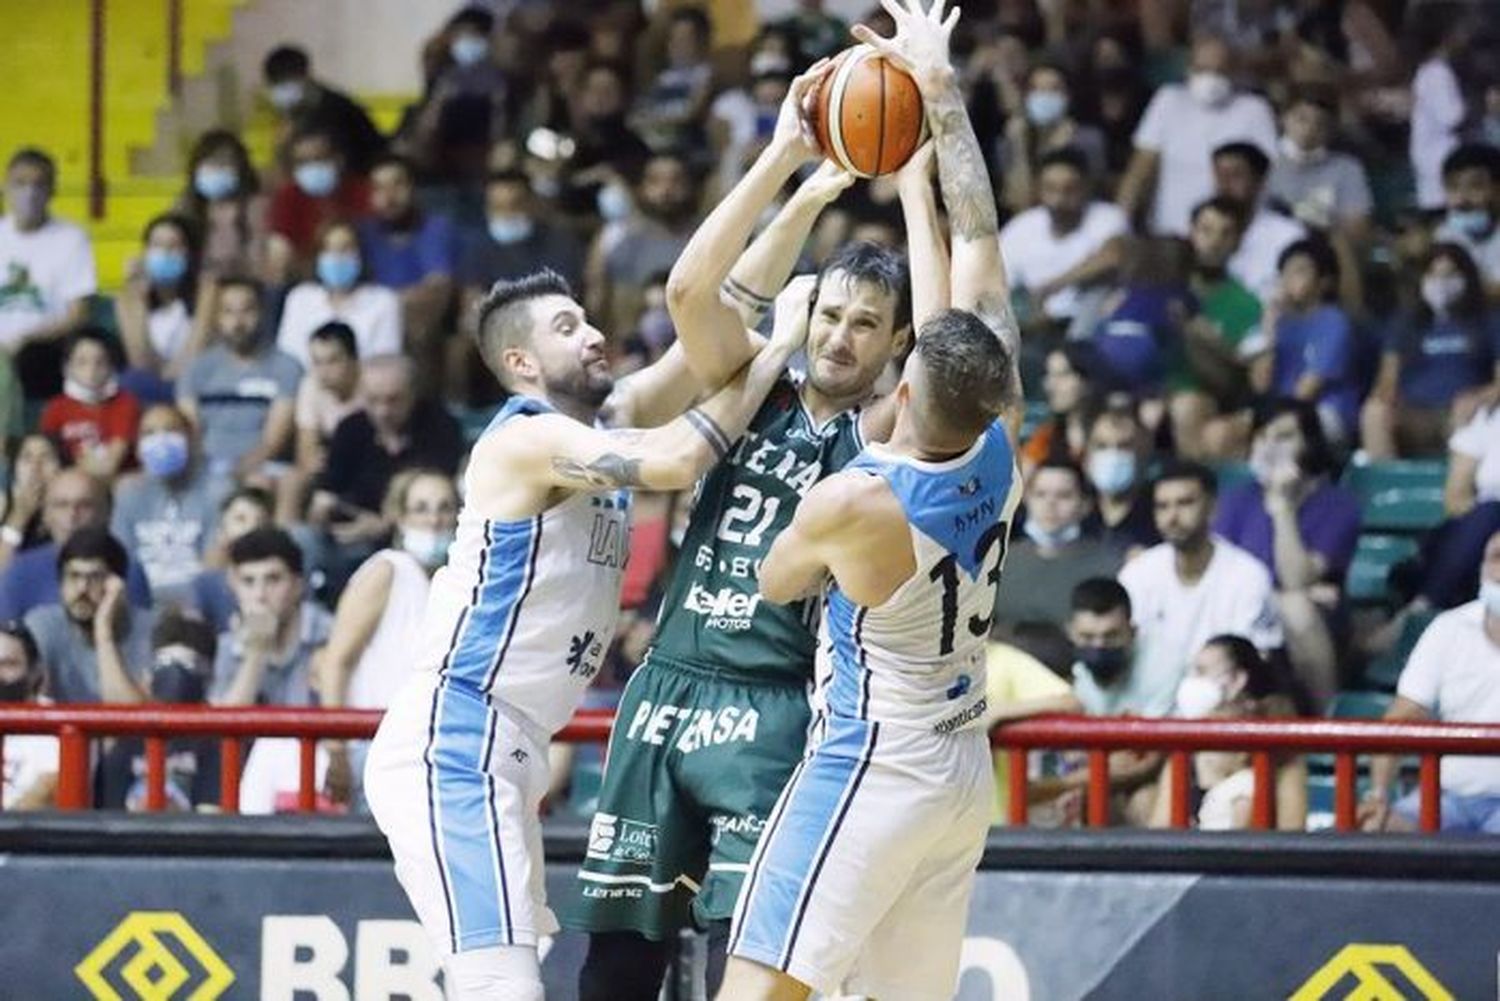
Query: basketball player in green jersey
point(713, 722)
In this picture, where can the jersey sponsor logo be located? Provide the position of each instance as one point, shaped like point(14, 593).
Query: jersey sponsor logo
point(960, 687)
point(608, 542)
point(736, 823)
point(689, 730)
point(619, 839)
point(728, 608)
point(969, 715)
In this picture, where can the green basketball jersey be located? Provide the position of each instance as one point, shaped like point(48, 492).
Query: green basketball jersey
point(712, 614)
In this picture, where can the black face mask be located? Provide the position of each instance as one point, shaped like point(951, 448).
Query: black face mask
point(175, 682)
point(1105, 663)
point(16, 691)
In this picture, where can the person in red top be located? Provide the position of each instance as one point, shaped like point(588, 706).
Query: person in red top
point(95, 419)
point(321, 190)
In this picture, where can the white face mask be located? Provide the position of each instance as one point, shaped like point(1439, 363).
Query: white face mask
point(1296, 154)
point(429, 547)
point(1198, 696)
point(75, 390)
point(1052, 539)
point(1440, 292)
point(1210, 89)
point(1489, 596)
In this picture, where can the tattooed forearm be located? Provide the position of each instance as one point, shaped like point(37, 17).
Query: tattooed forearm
point(962, 175)
point(607, 471)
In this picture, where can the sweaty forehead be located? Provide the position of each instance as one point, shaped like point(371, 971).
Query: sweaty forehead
point(841, 289)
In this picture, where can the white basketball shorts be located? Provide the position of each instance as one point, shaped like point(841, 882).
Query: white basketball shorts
point(455, 784)
point(861, 881)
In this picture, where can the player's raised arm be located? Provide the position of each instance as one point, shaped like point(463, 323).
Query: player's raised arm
point(926, 249)
point(712, 334)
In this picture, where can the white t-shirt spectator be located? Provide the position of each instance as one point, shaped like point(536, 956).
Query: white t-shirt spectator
point(1486, 252)
point(1185, 133)
point(1254, 264)
point(1454, 673)
point(1174, 620)
point(1480, 440)
point(1034, 254)
point(169, 328)
point(41, 274)
point(373, 311)
point(1437, 110)
point(29, 758)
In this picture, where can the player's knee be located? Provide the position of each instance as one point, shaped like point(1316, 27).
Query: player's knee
point(499, 973)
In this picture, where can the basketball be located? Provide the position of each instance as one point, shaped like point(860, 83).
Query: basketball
point(868, 114)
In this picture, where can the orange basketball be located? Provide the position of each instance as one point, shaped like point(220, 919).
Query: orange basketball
point(868, 113)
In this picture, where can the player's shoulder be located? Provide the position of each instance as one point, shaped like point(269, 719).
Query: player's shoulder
point(848, 501)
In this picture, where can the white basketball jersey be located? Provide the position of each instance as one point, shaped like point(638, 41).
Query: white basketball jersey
point(918, 659)
point(525, 610)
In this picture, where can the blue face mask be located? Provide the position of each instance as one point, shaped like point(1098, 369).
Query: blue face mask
point(1044, 107)
point(468, 50)
point(1473, 223)
point(164, 267)
point(508, 229)
point(1112, 470)
point(214, 181)
point(316, 178)
point(614, 203)
point(338, 270)
point(163, 454)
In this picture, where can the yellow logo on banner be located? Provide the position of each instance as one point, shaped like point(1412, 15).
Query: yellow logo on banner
point(1363, 963)
point(154, 973)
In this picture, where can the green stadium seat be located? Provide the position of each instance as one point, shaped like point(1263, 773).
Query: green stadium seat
point(1386, 669)
point(1036, 413)
point(1373, 558)
point(1402, 496)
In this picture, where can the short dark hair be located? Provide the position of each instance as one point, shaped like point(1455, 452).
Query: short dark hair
point(1068, 466)
point(503, 317)
point(696, 16)
point(1100, 596)
point(340, 333)
point(881, 266)
point(313, 130)
point(1324, 260)
point(1185, 469)
point(96, 335)
point(243, 281)
point(392, 159)
point(1317, 456)
point(509, 175)
point(1319, 97)
point(1254, 157)
point(968, 370)
point(177, 628)
point(285, 62)
point(1224, 206)
point(473, 16)
point(94, 543)
point(31, 156)
point(1066, 156)
point(17, 630)
point(259, 496)
point(1472, 156)
point(266, 544)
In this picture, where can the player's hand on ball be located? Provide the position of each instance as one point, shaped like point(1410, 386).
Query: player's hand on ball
point(794, 129)
point(792, 313)
point(824, 185)
point(917, 173)
point(920, 45)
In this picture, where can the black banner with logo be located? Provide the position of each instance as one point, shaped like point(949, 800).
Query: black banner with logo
point(302, 912)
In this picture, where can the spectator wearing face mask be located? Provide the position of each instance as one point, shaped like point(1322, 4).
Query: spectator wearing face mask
point(95, 419)
point(344, 292)
point(1067, 246)
point(305, 103)
point(605, 148)
point(1055, 554)
point(1324, 188)
point(321, 191)
point(30, 772)
point(1193, 585)
point(1229, 679)
point(367, 658)
point(466, 104)
point(1303, 528)
point(96, 647)
point(161, 323)
point(239, 392)
point(1440, 364)
point(166, 516)
point(515, 241)
point(1045, 127)
point(223, 201)
point(1471, 191)
point(1115, 459)
point(182, 658)
point(46, 273)
point(1182, 126)
point(73, 500)
point(211, 597)
point(1452, 675)
point(1240, 171)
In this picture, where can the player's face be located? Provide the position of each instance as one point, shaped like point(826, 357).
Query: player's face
point(1182, 511)
point(851, 337)
point(569, 351)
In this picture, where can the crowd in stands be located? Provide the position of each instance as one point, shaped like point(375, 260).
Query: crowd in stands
point(1254, 246)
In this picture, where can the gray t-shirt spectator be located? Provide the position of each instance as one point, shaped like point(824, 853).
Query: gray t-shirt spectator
point(287, 682)
point(233, 396)
point(1038, 589)
point(167, 528)
point(72, 663)
point(1330, 189)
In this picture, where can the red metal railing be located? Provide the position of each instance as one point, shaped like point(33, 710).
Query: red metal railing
point(77, 726)
point(1260, 738)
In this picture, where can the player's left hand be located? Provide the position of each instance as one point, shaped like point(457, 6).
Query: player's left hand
point(824, 185)
point(917, 172)
point(793, 312)
point(794, 131)
point(920, 45)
